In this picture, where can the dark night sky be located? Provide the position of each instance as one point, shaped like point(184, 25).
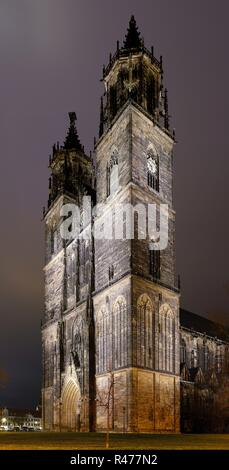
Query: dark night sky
point(51, 57)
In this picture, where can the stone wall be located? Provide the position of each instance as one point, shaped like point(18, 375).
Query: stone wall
point(204, 382)
point(140, 401)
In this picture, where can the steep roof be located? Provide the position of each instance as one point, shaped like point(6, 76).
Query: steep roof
point(133, 38)
point(72, 139)
point(203, 325)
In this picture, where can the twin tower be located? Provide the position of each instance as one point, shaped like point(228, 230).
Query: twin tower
point(110, 332)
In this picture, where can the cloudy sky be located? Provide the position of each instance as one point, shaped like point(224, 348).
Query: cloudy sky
point(51, 58)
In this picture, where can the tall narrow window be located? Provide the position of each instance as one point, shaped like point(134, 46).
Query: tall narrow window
point(155, 263)
point(166, 340)
point(145, 332)
point(182, 351)
point(101, 340)
point(112, 174)
point(153, 169)
point(119, 326)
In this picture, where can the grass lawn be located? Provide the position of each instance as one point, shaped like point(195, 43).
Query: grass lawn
point(78, 441)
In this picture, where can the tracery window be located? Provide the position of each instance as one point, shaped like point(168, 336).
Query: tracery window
point(166, 339)
point(119, 329)
point(145, 332)
point(103, 340)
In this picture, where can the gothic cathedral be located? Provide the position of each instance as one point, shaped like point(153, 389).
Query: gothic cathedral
point(111, 330)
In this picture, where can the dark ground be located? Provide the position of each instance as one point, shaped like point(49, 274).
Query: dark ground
point(52, 441)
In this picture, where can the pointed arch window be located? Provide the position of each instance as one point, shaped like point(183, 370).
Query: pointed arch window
point(104, 339)
point(145, 332)
point(119, 328)
point(101, 339)
point(153, 168)
point(112, 174)
point(166, 339)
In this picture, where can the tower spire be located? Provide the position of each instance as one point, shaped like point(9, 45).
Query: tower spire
point(72, 139)
point(133, 39)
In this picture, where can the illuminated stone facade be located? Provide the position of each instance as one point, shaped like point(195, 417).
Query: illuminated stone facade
point(111, 329)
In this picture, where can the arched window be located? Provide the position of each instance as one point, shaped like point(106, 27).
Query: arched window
point(112, 173)
point(145, 329)
point(101, 339)
point(153, 168)
point(119, 329)
point(166, 339)
point(104, 340)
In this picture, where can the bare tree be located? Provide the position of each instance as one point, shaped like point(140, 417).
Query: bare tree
point(105, 400)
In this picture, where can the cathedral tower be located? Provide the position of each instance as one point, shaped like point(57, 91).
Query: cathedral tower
point(67, 329)
point(110, 334)
point(136, 299)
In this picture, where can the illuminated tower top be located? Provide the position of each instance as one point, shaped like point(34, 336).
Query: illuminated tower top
point(133, 73)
